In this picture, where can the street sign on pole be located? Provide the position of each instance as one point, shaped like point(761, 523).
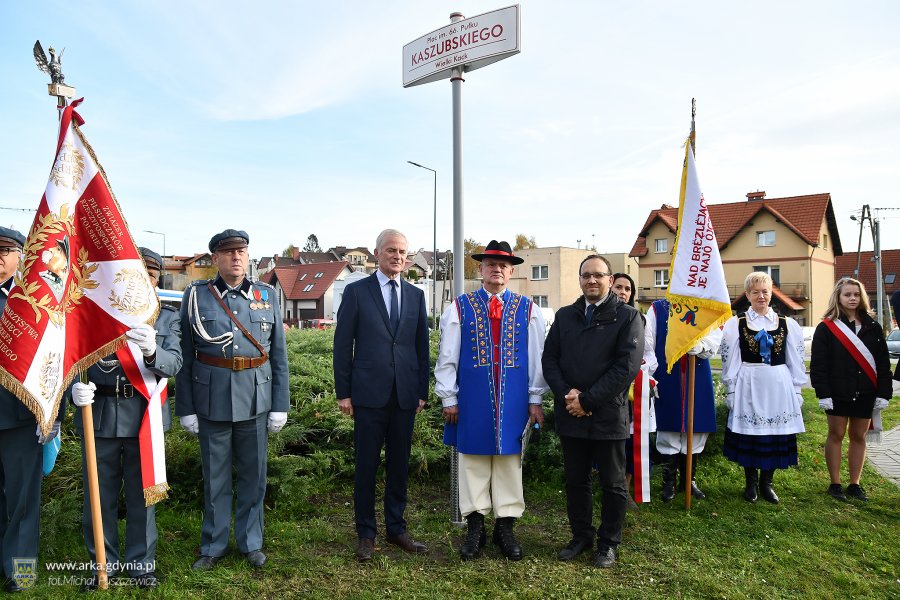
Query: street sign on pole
point(470, 44)
point(446, 53)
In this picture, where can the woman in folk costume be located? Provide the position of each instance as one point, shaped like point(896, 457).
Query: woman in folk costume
point(763, 370)
point(623, 286)
point(851, 372)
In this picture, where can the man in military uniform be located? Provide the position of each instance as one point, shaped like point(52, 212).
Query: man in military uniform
point(21, 455)
point(233, 385)
point(117, 414)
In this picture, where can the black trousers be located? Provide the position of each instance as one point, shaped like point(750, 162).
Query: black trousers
point(373, 428)
point(579, 457)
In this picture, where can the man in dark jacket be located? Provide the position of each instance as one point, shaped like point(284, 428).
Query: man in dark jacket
point(591, 355)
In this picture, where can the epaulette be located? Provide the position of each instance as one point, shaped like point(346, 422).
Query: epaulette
point(168, 307)
point(264, 284)
point(200, 282)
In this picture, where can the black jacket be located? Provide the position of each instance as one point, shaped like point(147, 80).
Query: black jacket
point(835, 374)
point(600, 359)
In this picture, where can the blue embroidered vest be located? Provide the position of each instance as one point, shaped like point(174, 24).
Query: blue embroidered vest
point(492, 414)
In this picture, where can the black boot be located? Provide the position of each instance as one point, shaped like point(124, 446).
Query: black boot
point(682, 466)
point(504, 537)
point(475, 537)
point(669, 466)
point(752, 479)
point(765, 486)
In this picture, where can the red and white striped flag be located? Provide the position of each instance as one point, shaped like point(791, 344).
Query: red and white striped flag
point(82, 283)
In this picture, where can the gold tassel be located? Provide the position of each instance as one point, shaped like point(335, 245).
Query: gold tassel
point(155, 493)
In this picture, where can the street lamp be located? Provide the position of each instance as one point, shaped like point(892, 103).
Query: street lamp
point(434, 250)
point(163, 266)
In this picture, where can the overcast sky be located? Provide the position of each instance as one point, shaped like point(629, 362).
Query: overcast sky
point(289, 118)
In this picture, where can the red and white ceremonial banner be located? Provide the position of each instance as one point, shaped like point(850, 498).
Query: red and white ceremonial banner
point(641, 438)
point(150, 435)
point(82, 283)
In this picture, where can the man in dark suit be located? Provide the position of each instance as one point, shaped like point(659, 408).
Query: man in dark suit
point(381, 369)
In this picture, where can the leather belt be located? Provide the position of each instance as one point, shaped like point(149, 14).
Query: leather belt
point(237, 363)
point(126, 390)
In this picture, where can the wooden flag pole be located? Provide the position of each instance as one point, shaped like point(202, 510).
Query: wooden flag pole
point(90, 451)
point(688, 463)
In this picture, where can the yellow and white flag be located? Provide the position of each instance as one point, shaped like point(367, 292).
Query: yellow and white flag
point(697, 290)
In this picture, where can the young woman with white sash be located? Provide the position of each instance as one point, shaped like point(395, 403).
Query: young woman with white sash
point(851, 372)
point(763, 370)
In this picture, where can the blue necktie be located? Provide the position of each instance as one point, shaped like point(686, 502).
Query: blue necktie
point(589, 314)
point(395, 307)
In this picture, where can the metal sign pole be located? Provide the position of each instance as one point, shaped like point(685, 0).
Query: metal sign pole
point(456, 81)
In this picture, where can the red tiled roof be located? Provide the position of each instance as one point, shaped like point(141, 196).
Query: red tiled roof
point(890, 265)
point(295, 279)
point(801, 214)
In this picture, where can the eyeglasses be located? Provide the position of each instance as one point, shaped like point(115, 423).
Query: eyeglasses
point(597, 276)
point(5, 250)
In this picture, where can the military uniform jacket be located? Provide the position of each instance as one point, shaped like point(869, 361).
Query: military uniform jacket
point(120, 416)
point(220, 393)
point(13, 413)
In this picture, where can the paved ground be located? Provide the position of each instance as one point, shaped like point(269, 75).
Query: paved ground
point(885, 457)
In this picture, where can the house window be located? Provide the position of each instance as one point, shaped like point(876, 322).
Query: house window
point(890, 278)
point(302, 277)
point(661, 277)
point(318, 275)
point(825, 241)
point(765, 238)
point(773, 272)
point(540, 272)
point(662, 245)
point(540, 301)
point(308, 287)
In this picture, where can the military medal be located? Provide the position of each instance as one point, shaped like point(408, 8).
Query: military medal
point(257, 304)
point(265, 298)
point(253, 306)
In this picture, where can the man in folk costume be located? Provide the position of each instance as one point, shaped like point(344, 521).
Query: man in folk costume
point(233, 388)
point(127, 451)
point(21, 455)
point(488, 377)
point(672, 404)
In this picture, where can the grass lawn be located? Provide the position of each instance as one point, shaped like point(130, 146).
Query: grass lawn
point(809, 546)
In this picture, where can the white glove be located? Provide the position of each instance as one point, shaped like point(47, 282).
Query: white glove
point(880, 403)
point(696, 350)
point(277, 421)
point(826, 404)
point(145, 337)
point(729, 401)
point(83, 393)
point(191, 424)
point(43, 439)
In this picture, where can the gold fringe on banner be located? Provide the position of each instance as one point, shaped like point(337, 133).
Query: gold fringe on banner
point(155, 493)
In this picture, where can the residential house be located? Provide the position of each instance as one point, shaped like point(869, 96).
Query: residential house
point(360, 259)
point(182, 270)
point(306, 291)
point(549, 276)
point(845, 266)
point(422, 262)
point(266, 264)
point(794, 239)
